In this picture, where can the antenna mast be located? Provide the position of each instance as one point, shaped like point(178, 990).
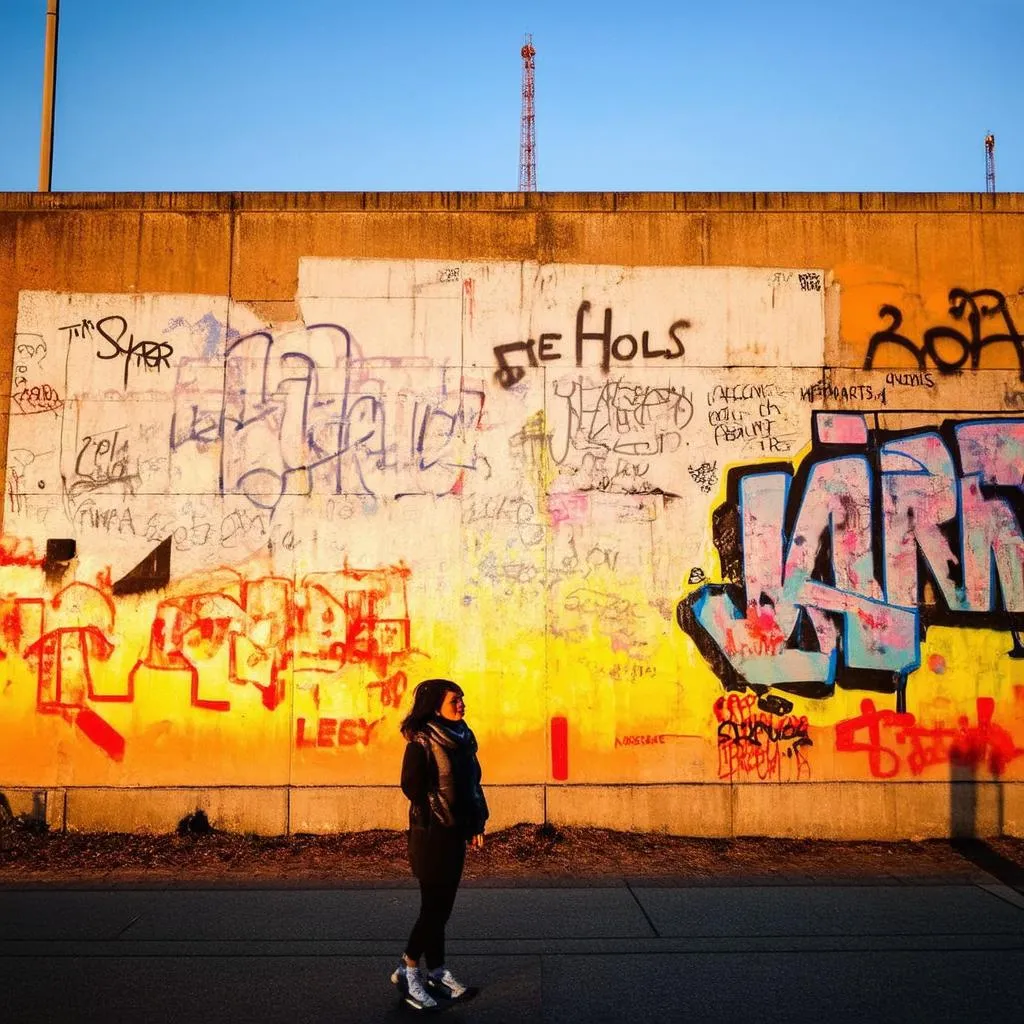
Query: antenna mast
point(990, 163)
point(527, 128)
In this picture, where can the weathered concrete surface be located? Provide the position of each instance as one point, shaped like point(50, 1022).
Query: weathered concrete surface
point(526, 657)
point(683, 809)
point(260, 810)
point(835, 811)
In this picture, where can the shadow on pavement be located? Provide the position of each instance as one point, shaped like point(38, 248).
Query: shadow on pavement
point(979, 853)
point(963, 814)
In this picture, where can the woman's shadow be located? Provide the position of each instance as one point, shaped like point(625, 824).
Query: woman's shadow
point(964, 791)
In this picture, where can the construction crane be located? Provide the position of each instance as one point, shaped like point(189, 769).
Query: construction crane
point(527, 128)
point(990, 163)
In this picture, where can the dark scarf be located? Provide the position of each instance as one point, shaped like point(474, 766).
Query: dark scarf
point(451, 734)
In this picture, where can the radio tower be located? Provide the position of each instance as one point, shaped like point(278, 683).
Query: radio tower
point(990, 163)
point(527, 129)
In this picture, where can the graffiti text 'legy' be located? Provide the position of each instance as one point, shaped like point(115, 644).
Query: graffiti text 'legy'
point(841, 567)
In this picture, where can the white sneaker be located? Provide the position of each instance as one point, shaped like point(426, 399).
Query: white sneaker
point(416, 994)
point(442, 982)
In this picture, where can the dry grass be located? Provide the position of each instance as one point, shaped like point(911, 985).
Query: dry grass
point(521, 852)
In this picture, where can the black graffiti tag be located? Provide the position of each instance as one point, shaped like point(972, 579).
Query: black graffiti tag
point(948, 349)
point(623, 348)
point(148, 355)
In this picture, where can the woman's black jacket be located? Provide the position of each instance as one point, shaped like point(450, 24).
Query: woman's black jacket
point(441, 778)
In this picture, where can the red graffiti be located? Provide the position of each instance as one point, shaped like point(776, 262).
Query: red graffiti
point(894, 740)
point(352, 616)
point(640, 740)
point(560, 748)
point(64, 636)
point(16, 551)
point(392, 689)
point(100, 732)
point(234, 633)
point(40, 398)
point(757, 742)
point(334, 732)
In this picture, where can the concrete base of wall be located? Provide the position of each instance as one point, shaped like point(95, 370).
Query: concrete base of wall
point(841, 811)
point(37, 805)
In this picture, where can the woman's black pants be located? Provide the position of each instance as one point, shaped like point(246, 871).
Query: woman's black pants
point(437, 856)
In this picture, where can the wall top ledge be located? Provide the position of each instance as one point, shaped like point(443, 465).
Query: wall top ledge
point(516, 202)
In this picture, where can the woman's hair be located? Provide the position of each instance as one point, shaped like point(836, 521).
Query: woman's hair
point(427, 699)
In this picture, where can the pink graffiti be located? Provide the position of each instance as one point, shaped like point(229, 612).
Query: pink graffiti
point(846, 561)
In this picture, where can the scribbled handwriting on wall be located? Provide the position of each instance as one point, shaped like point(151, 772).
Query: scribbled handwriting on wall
point(300, 415)
point(27, 397)
point(607, 434)
point(102, 460)
point(841, 567)
point(623, 348)
point(948, 349)
point(745, 413)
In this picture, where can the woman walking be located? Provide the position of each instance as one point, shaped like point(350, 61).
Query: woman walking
point(447, 812)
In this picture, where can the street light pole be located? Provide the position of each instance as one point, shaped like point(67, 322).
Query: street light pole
point(49, 97)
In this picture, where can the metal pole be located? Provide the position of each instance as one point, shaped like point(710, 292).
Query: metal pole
point(49, 97)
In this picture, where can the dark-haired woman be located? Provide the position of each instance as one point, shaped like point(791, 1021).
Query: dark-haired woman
point(447, 813)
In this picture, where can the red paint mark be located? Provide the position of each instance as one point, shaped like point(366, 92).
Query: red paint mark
point(985, 742)
point(560, 748)
point(460, 482)
point(102, 733)
point(962, 743)
point(10, 625)
point(329, 620)
point(937, 663)
point(16, 551)
point(64, 676)
point(301, 740)
point(883, 761)
point(568, 508)
point(265, 626)
point(391, 689)
point(761, 634)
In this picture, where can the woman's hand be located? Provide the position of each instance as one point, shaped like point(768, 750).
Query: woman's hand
point(477, 842)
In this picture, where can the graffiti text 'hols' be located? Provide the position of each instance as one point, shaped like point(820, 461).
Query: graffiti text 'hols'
point(623, 347)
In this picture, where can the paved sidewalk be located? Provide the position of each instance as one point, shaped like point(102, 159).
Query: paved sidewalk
point(877, 950)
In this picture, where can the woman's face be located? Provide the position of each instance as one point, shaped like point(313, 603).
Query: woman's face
point(453, 707)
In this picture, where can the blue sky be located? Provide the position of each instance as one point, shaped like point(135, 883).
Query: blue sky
point(335, 95)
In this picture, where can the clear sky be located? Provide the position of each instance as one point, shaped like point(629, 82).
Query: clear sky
point(891, 95)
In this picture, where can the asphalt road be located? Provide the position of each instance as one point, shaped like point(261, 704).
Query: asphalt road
point(875, 950)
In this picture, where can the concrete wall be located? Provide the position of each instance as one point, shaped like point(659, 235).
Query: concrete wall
point(712, 503)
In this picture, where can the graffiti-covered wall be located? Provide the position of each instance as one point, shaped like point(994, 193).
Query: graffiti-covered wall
point(718, 537)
